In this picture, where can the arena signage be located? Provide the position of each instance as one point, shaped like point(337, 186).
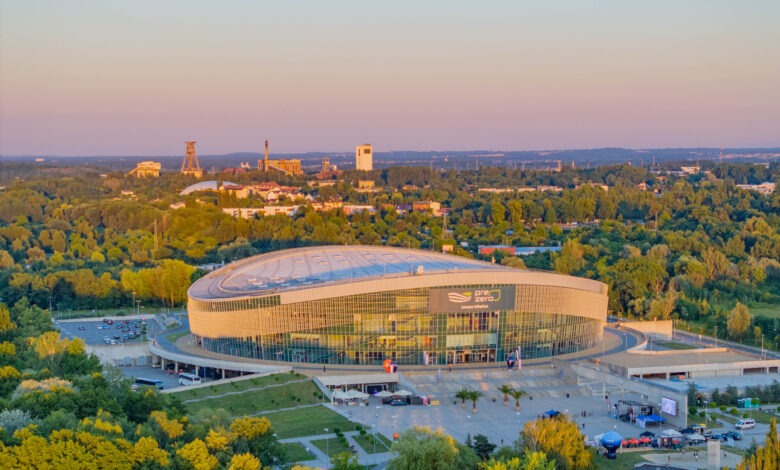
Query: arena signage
point(473, 299)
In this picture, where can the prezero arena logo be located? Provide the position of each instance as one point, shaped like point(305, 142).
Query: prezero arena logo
point(479, 295)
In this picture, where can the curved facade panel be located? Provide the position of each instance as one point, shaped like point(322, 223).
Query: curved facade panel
point(443, 310)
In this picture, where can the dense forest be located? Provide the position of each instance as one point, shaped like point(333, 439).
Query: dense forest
point(692, 247)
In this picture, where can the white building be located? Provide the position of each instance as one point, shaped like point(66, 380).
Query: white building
point(364, 158)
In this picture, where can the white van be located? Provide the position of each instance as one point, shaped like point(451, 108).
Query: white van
point(188, 379)
point(745, 424)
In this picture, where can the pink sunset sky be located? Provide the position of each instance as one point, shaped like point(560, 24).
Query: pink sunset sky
point(140, 77)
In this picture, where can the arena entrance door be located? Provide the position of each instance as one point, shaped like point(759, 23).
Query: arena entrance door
point(467, 356)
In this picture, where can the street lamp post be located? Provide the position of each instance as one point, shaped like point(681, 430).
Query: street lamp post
point(327, 449)
point(762, 347)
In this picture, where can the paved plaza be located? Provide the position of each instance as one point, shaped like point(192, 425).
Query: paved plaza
point(548, 385)
point(500, 423)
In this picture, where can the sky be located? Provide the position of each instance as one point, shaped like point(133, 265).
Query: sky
point(104, 77)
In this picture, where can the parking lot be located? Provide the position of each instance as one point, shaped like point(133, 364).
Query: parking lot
point(94, 331)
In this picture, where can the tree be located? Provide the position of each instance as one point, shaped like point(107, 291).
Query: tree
point(530, 461)
point(571, 257)
point(11, 420)
point(147, 454)
point(474, 395)
point(244, 461)
point(560, 439)
point(420, 447)
point(482, 447)
point(462, 395)
point(738, 321)
point(197, 455)
point(662, 307)
point(345, 461)
point(6, 325)
point(50, 347)
point(766, 456)
point(716, 263)
point(505, 389)
point(517, 394)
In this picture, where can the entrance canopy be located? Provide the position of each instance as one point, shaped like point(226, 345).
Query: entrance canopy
point(360, 382)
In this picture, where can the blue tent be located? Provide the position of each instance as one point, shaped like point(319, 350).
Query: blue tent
point(552, 413)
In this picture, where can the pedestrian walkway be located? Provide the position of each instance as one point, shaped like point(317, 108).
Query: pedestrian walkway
point(321, 460)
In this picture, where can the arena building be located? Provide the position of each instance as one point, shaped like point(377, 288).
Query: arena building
point(362, 305)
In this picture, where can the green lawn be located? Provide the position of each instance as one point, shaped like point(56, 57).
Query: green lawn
point(249, 402)
point(763, 417)
point(623, 461)
point(366, 441)
point(294, 452)
point(673, 345)
point(173, 337)
point(237, 386)
point(332, 446)
point(307, 422)
point(767, 310)
point(727, 418)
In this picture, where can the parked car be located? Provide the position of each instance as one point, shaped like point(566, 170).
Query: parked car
point(398, 403)
point(736, 435)
point(687, 431)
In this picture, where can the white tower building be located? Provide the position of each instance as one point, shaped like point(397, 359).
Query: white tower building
point(364, 159)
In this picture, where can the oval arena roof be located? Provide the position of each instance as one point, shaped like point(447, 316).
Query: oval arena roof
point(204, 186)
point(302, 268)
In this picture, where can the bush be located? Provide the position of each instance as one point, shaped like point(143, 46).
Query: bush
point(745, 415)
point(724, 407)
point(733, 412)
point(692, 410)
point(702, 414)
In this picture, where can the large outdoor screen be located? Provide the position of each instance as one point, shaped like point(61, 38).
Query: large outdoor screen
point(472, 299)
point(669, 406)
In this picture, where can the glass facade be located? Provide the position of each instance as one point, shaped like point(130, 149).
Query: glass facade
point(366, 329)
